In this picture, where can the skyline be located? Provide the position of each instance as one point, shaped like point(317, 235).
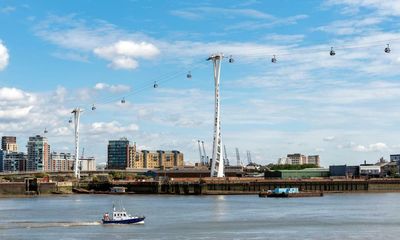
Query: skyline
point(56, 56)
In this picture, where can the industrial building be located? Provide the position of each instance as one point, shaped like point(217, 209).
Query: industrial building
point(87, 164)
point(344, 171)
point(298, 174)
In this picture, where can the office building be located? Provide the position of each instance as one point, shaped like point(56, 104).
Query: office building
point(118, 154)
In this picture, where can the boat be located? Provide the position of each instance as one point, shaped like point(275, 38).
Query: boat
point(289, 193)
point(121, 217)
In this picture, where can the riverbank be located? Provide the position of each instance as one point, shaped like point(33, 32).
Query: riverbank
point(197, 186)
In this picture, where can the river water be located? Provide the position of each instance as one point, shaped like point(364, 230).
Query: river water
point(334, 216)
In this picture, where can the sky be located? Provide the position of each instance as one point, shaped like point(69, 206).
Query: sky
point(58, 55)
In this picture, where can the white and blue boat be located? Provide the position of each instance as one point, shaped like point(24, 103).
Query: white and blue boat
point(121, 217)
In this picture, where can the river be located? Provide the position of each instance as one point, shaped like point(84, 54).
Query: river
point(334, 216)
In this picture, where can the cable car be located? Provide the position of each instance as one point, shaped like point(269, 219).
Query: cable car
point(45, 131)
point(387, 49)
point(155, 84)
point(93, 107)
point(231, 60)
point(189, 75)
point(70, 120)
point(123, 100)
point(273, 59)
point(332, 52)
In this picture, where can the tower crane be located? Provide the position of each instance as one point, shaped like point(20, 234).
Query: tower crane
point(239, 163)
point(226, 160)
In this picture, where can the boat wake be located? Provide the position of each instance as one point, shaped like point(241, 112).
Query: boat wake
point(32, 224)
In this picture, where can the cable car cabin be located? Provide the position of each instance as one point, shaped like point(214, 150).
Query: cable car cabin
point(273, 59)
point(155, 85)
point(387, 49)
point(332, 52)
point(123, 100)
point(189, 75)
point(231, 60)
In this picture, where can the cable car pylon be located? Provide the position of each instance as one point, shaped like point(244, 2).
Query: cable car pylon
point(217, 162)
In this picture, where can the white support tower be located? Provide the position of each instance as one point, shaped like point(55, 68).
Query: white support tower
point(217, 165)
point(239, 163)
point(77, 114)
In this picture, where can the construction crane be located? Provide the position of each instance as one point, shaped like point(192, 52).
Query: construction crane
point(239, 163)
point(226, 160)
point(83, 153)
point(206, 159)
point(249, 157)
point(201, 153)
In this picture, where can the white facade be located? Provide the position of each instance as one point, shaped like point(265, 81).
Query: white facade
point(87, 164)
point(370, 170)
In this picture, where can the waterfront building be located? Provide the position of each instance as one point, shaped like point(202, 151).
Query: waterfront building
point(2, 154)
point(298, 174)
point(87, 164)
point(38, 154)
point(395, 157)
point(370, 170)
point(155, 159)
point(14, 161)
point(313, 159)
point(9, 143)
point(118, 154)
point(61, 162)
point(344, 171)
point(122, 155)
point(299, 159)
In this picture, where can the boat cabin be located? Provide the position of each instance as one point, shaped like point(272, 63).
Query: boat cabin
point(286, 190)
point(121, 216)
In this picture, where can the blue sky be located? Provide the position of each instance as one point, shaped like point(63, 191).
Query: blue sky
point(55, 55)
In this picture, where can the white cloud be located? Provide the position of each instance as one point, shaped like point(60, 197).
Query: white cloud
point(387, 7)
point(4, 57)
point(374, 147)
point(112, 127)
point(122, 54)
point(112, 88)
point(15, 112)
point(104, 40)
point(329, 138)
point(196, 13)
point(8, 9)
point(352, 26)
point(285, 37)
